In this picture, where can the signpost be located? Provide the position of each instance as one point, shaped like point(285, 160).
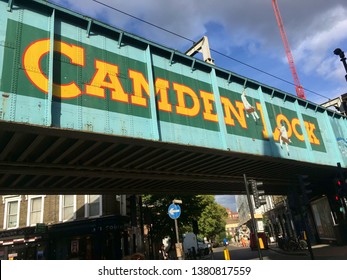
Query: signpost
point(174, 212)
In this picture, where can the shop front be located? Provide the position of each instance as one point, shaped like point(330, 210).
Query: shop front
point(29, 243)
point(100, 238)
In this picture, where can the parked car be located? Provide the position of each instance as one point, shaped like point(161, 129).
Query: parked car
point(204, 247)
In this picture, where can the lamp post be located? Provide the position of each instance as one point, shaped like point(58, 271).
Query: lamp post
point(341, 54)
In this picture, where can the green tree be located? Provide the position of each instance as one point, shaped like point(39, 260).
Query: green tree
point(212, 220)
point(202, 208)
point(162, 224)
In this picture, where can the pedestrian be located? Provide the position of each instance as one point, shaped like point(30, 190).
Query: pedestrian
point(243, 241)
point(163, 255)
point(225, 242)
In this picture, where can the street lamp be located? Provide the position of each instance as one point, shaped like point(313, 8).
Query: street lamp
point(341, 54)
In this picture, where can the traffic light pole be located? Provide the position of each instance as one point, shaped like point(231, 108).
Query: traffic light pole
point(255, 228)
point(303, 213)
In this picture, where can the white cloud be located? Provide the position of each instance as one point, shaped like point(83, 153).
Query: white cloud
point(315, 52)
point(246, 30)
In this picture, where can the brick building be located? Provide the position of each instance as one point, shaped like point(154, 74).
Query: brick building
point(69, 226)
point(232, 223)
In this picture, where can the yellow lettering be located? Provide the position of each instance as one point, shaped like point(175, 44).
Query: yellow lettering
point(310, 127)
point(207, 99)
point(265, 131)
point(32, 61)
point(279, 119)
point(106, 76)
point(229, 108)
point(181, 107)
point(140, 84)
point(162, 86)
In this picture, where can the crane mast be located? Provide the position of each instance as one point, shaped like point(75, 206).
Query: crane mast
point(298, 88)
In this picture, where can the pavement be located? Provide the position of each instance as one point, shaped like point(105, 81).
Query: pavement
point(320, 251)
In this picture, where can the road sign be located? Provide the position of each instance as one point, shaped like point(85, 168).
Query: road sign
point(174, 211)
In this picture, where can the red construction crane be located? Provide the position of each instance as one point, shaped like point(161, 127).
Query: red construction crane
point(298, 88)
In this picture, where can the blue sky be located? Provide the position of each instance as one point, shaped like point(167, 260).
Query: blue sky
point(227, 201)
point(247, 32)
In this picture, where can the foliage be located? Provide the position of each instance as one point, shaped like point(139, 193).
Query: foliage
point(203, 208)
point(212, 220)
point(218, 239)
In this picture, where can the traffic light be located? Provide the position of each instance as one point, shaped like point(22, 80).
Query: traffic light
point(338, 187)
point(337, 204)
point(305, 188)
point(340, 182)
point(258, 195)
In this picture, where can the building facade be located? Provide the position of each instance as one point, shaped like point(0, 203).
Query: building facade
point(69, 226)
point(244, 212)
point(232, 223)
point(319, 219)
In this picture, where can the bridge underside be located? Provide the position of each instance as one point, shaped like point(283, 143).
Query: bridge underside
point(41, 160)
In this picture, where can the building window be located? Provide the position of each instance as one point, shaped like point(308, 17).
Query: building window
point(93, 205)
point(67, 207)
point(11, 217)
point(35, 210)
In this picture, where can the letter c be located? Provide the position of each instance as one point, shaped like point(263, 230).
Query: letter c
point(32, 66)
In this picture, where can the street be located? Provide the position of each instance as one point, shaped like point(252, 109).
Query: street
point(321, 252)
point(245, 253)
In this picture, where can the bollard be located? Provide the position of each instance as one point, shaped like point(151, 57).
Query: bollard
point(226, 254)
point(261, 243)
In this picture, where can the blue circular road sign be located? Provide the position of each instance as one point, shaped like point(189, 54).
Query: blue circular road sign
point(174, 211)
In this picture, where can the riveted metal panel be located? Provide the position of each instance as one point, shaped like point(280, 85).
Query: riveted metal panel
point(100, 79)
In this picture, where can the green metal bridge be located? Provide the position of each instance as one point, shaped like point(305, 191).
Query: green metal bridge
point(88, 108)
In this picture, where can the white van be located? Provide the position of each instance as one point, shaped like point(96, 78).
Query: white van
point(190, 241)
